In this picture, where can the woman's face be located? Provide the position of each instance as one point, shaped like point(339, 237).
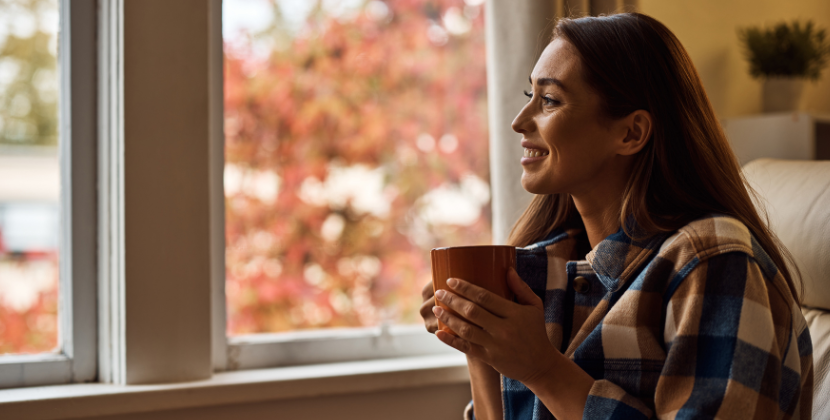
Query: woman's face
point(568, 145)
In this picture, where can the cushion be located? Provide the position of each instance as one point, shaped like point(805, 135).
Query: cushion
point(819, 324)
point(796, 194)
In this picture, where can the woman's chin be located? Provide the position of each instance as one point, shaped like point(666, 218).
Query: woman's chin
point(532, 185)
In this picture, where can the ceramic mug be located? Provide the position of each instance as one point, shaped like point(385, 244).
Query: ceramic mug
point(485, 266)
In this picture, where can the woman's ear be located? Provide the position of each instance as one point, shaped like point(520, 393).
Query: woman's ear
point(638, 126)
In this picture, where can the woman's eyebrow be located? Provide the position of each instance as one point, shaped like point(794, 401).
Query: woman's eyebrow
point(548, 81)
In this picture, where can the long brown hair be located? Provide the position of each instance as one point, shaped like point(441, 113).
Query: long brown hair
point(687, 170)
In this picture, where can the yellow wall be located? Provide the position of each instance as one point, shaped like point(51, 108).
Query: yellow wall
point(708, 30)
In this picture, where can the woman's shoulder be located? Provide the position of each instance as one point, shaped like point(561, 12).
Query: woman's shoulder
point(722, 245)
point(718, 242)
point(711, 235)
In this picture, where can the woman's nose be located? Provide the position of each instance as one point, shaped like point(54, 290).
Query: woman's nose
point(521, 122)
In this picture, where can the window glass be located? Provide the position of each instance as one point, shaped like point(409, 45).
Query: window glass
point(356, 141)
point(29, 176)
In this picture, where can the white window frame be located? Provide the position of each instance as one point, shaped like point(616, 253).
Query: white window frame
point(76, 357)
point(291, 348)
point(385, 341)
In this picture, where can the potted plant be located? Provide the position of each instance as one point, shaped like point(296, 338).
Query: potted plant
point(784, 56)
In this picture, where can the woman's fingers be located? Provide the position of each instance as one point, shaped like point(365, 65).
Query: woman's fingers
point(473, 312)
point(469, 335)
point(430, 322)
point(461, 345)
point(482, 297)
point(427, 292)
point(524, 294)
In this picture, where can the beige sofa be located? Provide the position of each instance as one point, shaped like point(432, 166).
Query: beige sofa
point(796, 194)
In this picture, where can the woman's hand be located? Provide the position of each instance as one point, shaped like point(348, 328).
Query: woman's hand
point(510, 337)
point(430, 322)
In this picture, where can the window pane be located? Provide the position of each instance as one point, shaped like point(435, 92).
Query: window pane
point(29, 176)
point(356, 141)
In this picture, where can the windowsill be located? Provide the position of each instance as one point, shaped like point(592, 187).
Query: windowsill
point(245, 386)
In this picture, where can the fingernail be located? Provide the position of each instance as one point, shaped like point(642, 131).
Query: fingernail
point(438, 311)
point(440, 294)
point(452, 282)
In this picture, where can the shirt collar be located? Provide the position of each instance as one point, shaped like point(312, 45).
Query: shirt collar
point(618, 257)
point(615, 259)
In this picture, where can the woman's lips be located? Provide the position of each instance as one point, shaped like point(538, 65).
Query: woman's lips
point(533, 155)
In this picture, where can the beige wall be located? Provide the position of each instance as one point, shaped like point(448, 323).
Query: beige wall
point(708, 30)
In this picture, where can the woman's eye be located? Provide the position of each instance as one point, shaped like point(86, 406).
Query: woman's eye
point(547, 101)
point(550, 101)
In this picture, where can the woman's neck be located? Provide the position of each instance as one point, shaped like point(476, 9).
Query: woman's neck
point(601, 217)
point(599, 202)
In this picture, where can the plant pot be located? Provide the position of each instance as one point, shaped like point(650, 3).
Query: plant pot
point(782, 94)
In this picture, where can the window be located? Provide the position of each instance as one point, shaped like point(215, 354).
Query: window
point(47, 224)
point(356, 136)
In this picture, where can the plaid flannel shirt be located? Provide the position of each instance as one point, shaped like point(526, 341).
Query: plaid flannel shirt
point(697, 324)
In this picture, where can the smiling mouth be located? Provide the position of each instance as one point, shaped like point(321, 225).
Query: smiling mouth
point(530, 153)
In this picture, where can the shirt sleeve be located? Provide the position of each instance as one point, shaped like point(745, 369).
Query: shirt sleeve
point(737, 347)
point(468, 411)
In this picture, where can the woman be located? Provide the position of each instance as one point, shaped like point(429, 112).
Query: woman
point(652, 288)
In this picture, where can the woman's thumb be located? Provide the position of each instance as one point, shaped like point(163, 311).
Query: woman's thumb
point(524, 294)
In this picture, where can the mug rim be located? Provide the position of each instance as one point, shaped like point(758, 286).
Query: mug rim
point(473, 246)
